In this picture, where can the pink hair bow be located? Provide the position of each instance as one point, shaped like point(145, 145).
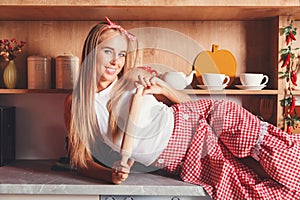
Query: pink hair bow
point(116, 26)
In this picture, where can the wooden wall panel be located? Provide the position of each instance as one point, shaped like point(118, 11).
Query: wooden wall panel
point(245, 39)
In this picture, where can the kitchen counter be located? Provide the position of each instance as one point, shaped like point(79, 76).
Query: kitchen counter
point(36, 177)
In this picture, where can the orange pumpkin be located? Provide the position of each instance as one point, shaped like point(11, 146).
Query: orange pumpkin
point(215, 61)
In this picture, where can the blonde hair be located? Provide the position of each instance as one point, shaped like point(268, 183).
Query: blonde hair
point(83, 125)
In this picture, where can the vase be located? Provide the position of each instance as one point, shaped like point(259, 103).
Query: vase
point(10, 75)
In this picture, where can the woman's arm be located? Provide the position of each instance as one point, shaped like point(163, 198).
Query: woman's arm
point(97, 171)
point(154, 85)
point(93, 169)
point(175, 96)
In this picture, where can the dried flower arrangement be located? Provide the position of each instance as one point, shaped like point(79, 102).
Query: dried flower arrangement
point(10, 48)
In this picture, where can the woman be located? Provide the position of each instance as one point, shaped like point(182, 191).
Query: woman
point(108, 52)
point(103, 60)
point(215, 144)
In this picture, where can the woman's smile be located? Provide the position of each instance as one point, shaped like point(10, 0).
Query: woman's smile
point(110, 70)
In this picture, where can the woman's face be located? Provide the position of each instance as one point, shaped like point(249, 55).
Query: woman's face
point(111, 55)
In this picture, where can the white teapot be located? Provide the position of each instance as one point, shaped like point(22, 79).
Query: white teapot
point(178, 80)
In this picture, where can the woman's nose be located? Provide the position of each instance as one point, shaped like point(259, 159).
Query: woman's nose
point(113, 59)
point(116, 60)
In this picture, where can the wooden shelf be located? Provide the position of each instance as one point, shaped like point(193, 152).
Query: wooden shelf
point(296, 92)
point(153, 2)
point(33, 91)
point(188, 91)
point(232, 92)
point(146, 10)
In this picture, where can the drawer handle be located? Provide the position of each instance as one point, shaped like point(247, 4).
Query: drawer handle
point(128, 198)
point(110, 198)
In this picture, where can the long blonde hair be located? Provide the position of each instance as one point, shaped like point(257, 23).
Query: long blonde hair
point(83, 125)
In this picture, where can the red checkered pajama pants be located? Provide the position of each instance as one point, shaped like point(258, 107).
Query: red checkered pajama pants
point(208, 137)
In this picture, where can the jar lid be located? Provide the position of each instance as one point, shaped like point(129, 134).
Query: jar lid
point(67, 56)
point(38, 58)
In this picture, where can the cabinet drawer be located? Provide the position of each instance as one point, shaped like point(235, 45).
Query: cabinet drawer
point(114, 197)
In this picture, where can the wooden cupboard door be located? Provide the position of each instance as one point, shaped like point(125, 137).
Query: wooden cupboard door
point(7, 134)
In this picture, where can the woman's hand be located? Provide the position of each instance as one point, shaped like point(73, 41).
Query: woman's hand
point(151, 84)
point(120, 171)
point(154, 85)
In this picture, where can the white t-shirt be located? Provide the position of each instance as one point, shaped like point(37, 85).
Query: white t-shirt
point(155, 124)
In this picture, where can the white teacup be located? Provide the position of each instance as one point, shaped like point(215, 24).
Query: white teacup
point(253, 79)
point(213, 79)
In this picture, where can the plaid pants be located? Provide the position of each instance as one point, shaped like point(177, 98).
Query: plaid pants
point(209, 136)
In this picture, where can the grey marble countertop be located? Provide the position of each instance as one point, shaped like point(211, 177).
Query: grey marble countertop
point(36, 177)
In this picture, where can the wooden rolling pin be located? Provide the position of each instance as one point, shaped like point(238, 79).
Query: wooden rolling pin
point(130, 131)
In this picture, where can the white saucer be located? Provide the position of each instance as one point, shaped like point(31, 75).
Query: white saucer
point(212, 87)
point(250, 87)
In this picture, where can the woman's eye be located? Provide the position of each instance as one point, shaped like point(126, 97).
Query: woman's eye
point(108, 51)
point(122, 54)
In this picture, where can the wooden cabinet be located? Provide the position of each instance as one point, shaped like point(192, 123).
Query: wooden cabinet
point(249, 29)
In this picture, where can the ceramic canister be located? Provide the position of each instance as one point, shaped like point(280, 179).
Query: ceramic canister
point(39, 72)
point(66, 66)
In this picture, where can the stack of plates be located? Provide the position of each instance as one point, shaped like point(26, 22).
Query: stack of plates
point(250, 87)
point(242, 87)
point(212, 87)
